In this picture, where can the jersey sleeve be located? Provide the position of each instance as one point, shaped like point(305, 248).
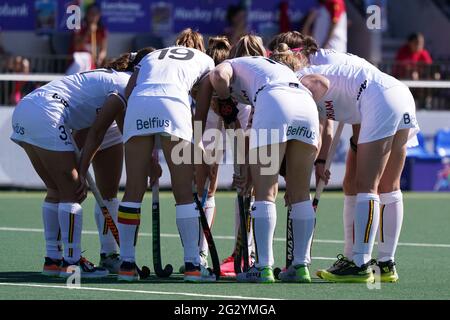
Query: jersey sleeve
point(118, 85)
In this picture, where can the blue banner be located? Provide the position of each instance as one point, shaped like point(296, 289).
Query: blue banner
point(139, 16)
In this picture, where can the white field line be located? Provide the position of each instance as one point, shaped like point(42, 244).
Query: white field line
point(167, 293)
point(174, 235)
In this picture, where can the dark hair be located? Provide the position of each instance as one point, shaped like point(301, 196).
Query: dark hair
point(414, 36)
point(127, 61)
point(218, 49)
point(233, 10)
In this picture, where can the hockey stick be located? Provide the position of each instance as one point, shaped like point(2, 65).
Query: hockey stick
point(206, 229)
point(156, 231)
point(241, 247)
point(144, 273)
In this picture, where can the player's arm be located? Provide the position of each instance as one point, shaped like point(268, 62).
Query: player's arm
point(203, 95)
point(221, 78)
point(113, 106)
point(326, 133)
point(317, 84)
point(131, 83)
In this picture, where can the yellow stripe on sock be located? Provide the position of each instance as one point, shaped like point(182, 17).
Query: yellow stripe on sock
point(71, 226)
point(132, 216)
point(254, 241)
point(369, 222)
point(381, 222)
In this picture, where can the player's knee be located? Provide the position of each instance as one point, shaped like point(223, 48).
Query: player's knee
point(365, 186)
point(349, 185)
point(388, 187)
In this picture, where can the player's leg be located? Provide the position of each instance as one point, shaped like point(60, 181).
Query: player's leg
point(52, 234)
point(138, 152)
point(299, 164)
point(349, 186)
point(391, 212)
point(187, 215)
point(372, 158)
point(264, 213)
point(62, 168)
point(108, 165)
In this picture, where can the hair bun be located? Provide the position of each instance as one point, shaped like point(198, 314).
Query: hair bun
point(282, 48)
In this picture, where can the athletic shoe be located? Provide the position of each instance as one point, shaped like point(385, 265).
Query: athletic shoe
point(298, 273)
point(388, 272)
point(257, 275)
point(111, 262)
point(349, 272)
point(227, 267)
point(52, 267)
point(203, 262)
point(87, 269)
point(341, 262)
point(198, 273)
point(128, 272)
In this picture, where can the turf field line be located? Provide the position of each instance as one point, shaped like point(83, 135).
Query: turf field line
point(168, 293)
point(175, 235)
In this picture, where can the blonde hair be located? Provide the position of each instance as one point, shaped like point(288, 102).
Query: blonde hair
point(218, 49)
point(295, 39)
point(283, 54)
point(248, 45)
point(190, 39)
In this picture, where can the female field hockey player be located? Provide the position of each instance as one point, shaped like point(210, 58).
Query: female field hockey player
point(282, 106)
point(41, 125)
point(385, 110)
point(391, 199)
point(159, 104)
point(248, 45)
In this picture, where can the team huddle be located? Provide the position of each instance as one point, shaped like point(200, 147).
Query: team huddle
point(280, 102)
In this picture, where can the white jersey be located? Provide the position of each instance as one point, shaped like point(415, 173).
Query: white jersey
point(80, 96)
point(253, 74)
point(349, 85)
point(331, 56)
point(171, 72)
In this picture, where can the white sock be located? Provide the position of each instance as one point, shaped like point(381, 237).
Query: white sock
point(303, 220)
point(348, 218)
point(210, 211)
point(366, 225)
point(129, 220)
point(391, 219)
point(70, 217)
point(51, 230)
point(107, 241)
point(264, 222)
point(189, 228)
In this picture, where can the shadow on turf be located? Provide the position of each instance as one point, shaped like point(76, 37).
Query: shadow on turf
point(37, 277)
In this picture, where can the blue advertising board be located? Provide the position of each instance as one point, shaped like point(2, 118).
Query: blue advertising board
point(137, 16)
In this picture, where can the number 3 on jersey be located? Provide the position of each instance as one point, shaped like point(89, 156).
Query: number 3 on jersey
point(177, 54)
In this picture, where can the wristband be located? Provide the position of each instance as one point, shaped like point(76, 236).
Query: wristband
point(320, 161)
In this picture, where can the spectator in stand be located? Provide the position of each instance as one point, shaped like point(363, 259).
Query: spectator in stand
point(328, 25)
point(92, 37)
point(237, 23)
point(412, 58)
point(20, 89)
